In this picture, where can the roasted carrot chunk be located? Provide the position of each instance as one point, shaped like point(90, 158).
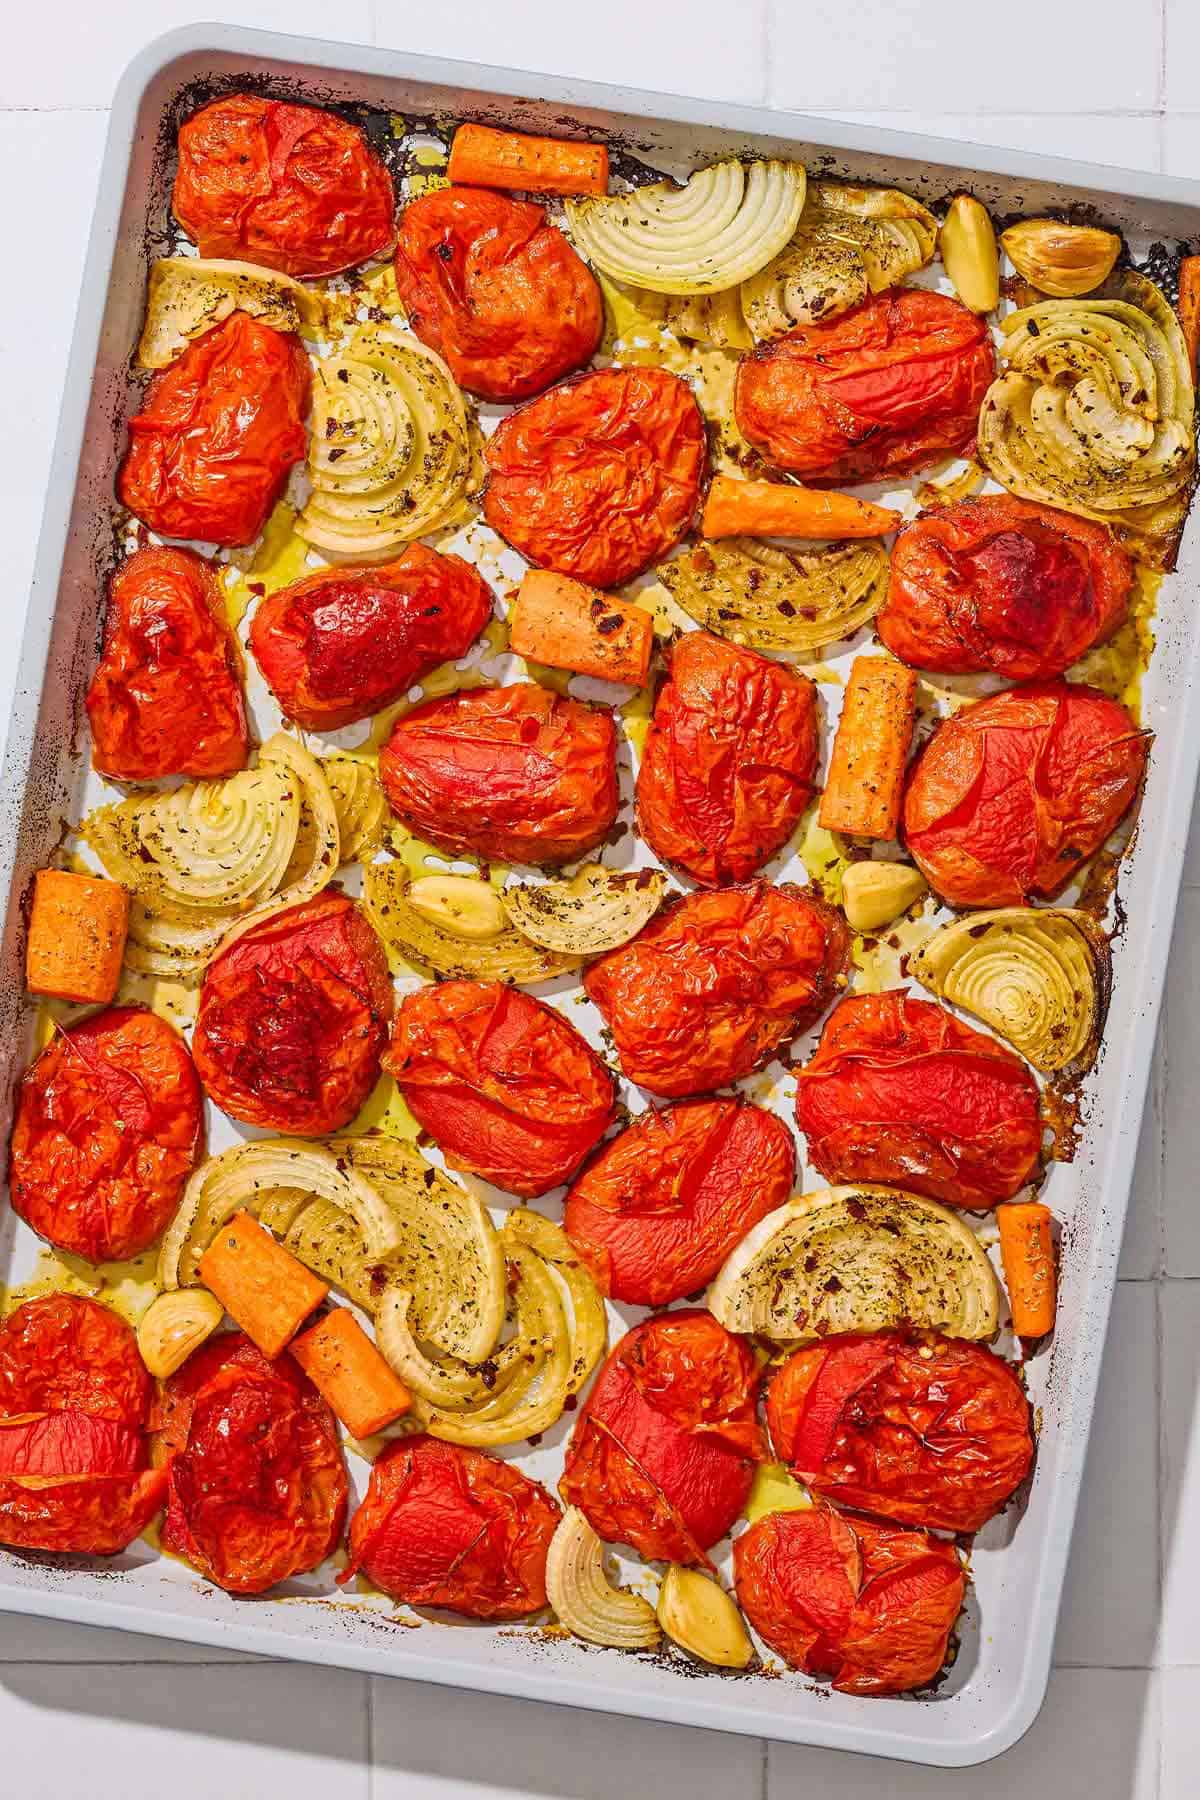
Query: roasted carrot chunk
point(572, 626)
point(780, 509)
point(260, 1284)
point(77, 933)
point(866, 772)
point(1027, 1252)
point(481, 156)
point(1189, 307)
point(350, 1374)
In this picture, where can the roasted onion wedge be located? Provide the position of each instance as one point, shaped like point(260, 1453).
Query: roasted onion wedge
point(771, 598)
point(1038, 976)
point(189, 295)
point(360, 805)
point(723, 225)
point(597, 909)
point(583, 1597)
point(857, 1259)
point(389, 452)
point(418, 939)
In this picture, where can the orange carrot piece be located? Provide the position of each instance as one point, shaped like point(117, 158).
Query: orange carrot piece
point(1027, 1252)
point(77, 928)
point(866, 770)
point(349, 1373)
point(779, 509)
point(1189, 307)
point(480, 156)
point(262, 1286)
point(569, 625)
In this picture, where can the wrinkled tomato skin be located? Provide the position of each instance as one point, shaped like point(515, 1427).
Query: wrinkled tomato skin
point(218, 433)
point(662, 1456)
point(892, 386)
point(496, 290)
point(109, 1127)
point(516, 773)
point(293, 1019)
point(343, 643)
point(871, 1605)
point(1002, 586)
point(291, 187)
point(167, 697)
point(504, 1083)
point(901, 1092)
point(63, 1351)
point(729, 761)
point(69, 1442)
point(924, 1430)
point(599, 477)
point(1010, 795)
point(257, 1483)
point(455, 1528)
point(718, 983)
point(80, 1515)
point(659, 1208)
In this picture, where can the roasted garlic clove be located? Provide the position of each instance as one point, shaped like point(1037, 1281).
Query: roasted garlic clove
point(701, 1618)
point(174, 1325)
point(969, 254)
point(583, 1597)
point(1061, 260)
point(875, 893)
point(461, 904)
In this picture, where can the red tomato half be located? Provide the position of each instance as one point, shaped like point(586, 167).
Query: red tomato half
point(443, 1526)
point(291, 187)
point(497, 290)
point(64, 1352)
point(218, 433)
point(108, 1129)
point(662, 1455)
point(599, 477)
point(999, 584)
point(901, 1092)
point(894, 385)
point(517, 773)
point(293, 1018)
point(504, 1084)
point(871, 1605)
point(1011, 795)
point(167, 696)
point(69, 1443)
point(341, 644)
point(718, 983)
point(83, 1515)
point(729, 761)
point(926, 1430)
point(657, 1210)
point(257, 1480)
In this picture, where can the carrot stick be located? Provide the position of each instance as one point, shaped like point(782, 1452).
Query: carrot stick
point(483, 157)
point(1027, 1252)
point(866, 771)
point(347, 1370)
point(779, 509)
point(572, 626)
point(260, 1284)
point(1189, 307)
point(77, 928)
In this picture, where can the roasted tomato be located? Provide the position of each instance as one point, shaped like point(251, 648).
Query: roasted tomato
point(291, 187)
point(657, 1211)
point(662, 1455)
point(599, 477)
point(901, 1092)
point(293, 1018)
point(497, 290)
point(73, 1402)
point(999, 585)
point(108, 1129)
point(507, 1087)
point(927, 1430)
point(729, 761)
point(167, 697)
point(443, 1526)
point(217, 434)
point(892, 386)
point(257, 1480)
point(1011, 795)
point(341, 644)
point(871, 1605)
point(516, 773)
point(718, 983)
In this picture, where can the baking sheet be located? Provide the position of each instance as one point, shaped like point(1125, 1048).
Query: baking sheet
point(998, 1679)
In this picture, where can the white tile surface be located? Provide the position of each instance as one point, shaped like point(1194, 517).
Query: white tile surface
point(1181, 1733)
point(1181, 136)
point(1179, 1640)
point(1181, 52)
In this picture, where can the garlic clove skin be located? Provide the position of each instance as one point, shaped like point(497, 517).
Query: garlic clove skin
point(701, 1618)
point(461, 904)
point(174, 1325)
point(969, 254)
point(875, 893)
point(1061, 260)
